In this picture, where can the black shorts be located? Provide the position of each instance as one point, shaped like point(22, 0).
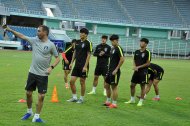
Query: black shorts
point(101, 71)
point(77, 72)
point(65, 66)
point(140, 77)
point(112, 79)
point(157, 76)
point(41, 82)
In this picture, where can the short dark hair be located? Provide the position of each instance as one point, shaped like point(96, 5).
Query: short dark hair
point(145, 40)
point(73, 41)
point(114, 37)
point(84, 30)
point(104, 37)
point(45, 28)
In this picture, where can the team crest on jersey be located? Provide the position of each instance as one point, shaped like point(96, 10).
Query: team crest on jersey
point(143, 55)
point(45, 47)
point(105, 49)
point(82, 45)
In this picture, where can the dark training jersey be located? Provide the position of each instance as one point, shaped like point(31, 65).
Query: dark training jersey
point(155, 68)
point(102, 61)
point(69, 53)
point(116, 53)
point(81, 52)
point(141, 58)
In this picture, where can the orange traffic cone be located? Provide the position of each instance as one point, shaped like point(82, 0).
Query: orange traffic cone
point(54, 97)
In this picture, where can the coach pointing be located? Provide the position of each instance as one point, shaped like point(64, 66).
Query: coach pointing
point(40, 68)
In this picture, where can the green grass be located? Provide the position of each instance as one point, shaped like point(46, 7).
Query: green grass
point(14, 67)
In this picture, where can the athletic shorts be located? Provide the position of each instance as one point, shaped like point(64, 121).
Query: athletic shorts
point(65, 66)
point(41, 82)
point(157, 76)
point(77, 72)
point(101, 71)
point(140, 77)
point(112, 79)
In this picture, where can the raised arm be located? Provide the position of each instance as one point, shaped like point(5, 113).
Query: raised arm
point(19, 35)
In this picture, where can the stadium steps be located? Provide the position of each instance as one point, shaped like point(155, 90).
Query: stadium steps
point(184, 9)
point(152, 12)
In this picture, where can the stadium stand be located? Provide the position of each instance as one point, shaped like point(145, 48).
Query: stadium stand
point(154, 12)
point(160, 11)
point(108, 11)
point(169, 13)
point(12, 4)
point(23, 6)
point(183, 8)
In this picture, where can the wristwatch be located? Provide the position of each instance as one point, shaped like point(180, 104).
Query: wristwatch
point(52, 67)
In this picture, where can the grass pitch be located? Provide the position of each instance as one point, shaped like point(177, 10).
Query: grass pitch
point(14, 67)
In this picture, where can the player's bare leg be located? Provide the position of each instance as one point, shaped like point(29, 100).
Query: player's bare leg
point(29, 99)
point(40, 102)
point(39, 106)
point(83, 89)
point(132, 100)
point(115, 93)
point(66, 73)
point(142, 95)
point(114, 96)
point(73, 89)
point(148, 87)
point(108, 92)
point(156, 89)
point(104, 86)
point(95, 83)
point(29, 105)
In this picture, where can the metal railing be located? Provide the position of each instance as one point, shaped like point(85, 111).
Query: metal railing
point(25, 11)
point(160, 48)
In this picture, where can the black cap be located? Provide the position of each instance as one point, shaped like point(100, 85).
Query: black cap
point(84, 30)
point(145, 40)
point(104, 37)
point(114, 37)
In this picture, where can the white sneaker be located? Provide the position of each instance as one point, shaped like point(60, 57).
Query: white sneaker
point(72, 100)
point(92, 92)
point(140, 104)
point(80, 101)
point(130, 102)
